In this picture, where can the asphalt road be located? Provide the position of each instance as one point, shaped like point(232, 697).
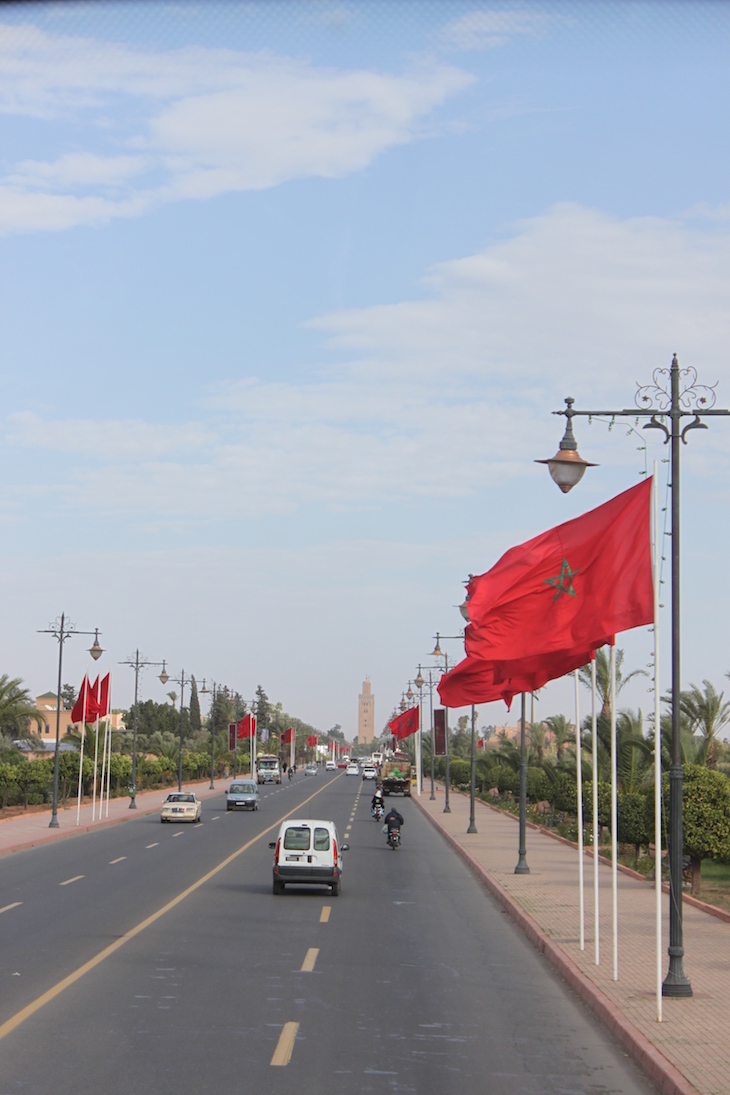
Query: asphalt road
point(414, 979)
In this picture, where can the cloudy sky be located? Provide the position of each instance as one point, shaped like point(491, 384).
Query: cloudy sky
point(288, 292)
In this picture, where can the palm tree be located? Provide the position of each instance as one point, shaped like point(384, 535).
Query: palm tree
point(706, 715)
point(536, 732)
point(16, 709)
point(563, 733)
point(603, 677)
point(173, 697)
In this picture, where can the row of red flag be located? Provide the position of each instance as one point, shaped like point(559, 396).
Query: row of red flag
point(93, 700)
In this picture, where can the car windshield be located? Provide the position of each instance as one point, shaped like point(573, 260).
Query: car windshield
point(296, 838)
point(181, 798)
point(242, 789)
point(268, 764)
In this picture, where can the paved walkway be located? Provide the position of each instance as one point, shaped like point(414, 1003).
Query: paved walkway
point(26, 830)
point(692, 1043)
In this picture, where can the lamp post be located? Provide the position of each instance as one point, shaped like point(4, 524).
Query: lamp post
point(182, 680)
point(137, 664)
point(437, 652)
point(62, 630)
point(522, 867)
point(674, 394)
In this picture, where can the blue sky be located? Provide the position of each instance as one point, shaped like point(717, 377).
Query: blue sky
point(288, 292)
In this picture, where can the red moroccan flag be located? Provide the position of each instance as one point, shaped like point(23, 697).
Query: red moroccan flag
point(569, 588)
point(104, 687)
point(402, 726)
point(247, 726)
point(86, 706)
point(311, 740)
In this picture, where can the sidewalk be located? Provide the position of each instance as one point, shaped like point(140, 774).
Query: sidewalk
point(27, 830)
point(690, 1050)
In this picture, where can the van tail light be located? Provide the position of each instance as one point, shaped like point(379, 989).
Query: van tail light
point(276, 855)
point(334, 846)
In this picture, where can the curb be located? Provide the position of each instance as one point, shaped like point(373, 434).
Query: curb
point(665, 1075)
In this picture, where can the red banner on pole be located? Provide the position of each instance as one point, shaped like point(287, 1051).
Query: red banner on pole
point(439, 732)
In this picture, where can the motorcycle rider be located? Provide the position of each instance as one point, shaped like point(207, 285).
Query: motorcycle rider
point(393, 820)
point(377, 799)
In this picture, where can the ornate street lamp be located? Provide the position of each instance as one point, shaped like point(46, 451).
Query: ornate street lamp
point(137, 664)
point(674, 394)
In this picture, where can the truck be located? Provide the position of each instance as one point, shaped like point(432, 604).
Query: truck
point(395, 775)
point(268, 769)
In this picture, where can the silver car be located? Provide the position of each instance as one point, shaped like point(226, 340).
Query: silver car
point(243, 794)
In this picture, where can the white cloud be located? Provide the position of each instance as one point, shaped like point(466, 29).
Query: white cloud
point(428, 395)
point(492, 28)
point(203, 122)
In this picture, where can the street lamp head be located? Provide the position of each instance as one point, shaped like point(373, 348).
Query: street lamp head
point(95, 649)
point(204, 691)
point(437, 652)
point(419, 681)
point(164, 675)
point(567, 467)
point(410, 693)
point(403, 703)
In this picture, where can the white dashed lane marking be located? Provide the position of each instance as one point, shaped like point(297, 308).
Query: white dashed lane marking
point(68, 881)
point(118, 860)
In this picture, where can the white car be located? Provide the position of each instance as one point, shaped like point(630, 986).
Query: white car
point(369, 772)
point(181, 806)
point(308, 853)
point(330, 766)
point(353, 769)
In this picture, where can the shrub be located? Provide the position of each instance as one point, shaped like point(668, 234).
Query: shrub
point(459, 771)
point(538, 784)
point(631, 821)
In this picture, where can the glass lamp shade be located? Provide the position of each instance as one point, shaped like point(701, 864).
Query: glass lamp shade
point(419, 681)
point(95, 650)
point(164, 675)
point(567, 468)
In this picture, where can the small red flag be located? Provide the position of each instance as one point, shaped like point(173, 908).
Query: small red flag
point(86, 706)
point(288, 736)
point(247, 726)
point(569, 588)
point(402, 726)
point(311, 740)
point(104, 708)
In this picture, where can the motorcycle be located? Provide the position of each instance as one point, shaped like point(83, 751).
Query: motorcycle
point(394, 838)
point(290, 772)
point(378, 811)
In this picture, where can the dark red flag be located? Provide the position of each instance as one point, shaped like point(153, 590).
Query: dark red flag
point(104, 708)
point(475, 680)
point(311, 740)
point(402, 726)
point(86, 706)
point(247, 726)
point(288, 736)
point(569, 588)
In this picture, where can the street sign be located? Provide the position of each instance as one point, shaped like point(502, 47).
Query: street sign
point(439, 732)
point(231, 736)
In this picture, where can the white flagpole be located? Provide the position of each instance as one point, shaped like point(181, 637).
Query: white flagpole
point(418, 745)
point(103, 768)
point(614, 817)
point(292, 748)
point(657, 762)
point(107, 748)
point(579, 800)
point(109, 755)
point(594, 732)
point(81, 752)
point(96, 761)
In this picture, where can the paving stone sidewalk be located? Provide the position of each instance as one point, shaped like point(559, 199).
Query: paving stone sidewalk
point(27, 830)
point(692, 1041)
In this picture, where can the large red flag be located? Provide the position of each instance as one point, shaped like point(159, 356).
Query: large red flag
point(402, 726)
point(311, 740)
point(288, 736)
point(104, 708)
point(569, 588)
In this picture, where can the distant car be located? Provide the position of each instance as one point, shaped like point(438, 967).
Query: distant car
point(308, 853)
point(352, 769)
point(181, 806)
point(330, 766)
point(311, 770)
point(369, 772)
point(243, 794)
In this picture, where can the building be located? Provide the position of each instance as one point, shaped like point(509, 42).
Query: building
point(366, 714)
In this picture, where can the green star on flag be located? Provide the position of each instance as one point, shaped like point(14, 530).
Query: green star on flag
point(558, 582)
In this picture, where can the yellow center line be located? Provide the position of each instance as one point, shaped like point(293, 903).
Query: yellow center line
point(285, 1045)
point(35, 1005)
point(7, 908)
point(68, 881)
point(325, 914)
point(119, 860)
point(309, 959)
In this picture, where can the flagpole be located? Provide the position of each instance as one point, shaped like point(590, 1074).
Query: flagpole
point(96, 761)
point(614, 818)
point(81, 752)
point(522, 867)
point(103, 766)
point(579, 801)
point(109, 757)
point(657, 762)
point(596, 835)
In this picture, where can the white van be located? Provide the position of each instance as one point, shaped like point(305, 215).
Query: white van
point(308, 853)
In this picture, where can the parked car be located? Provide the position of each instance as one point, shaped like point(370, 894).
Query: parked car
point(181, 806)
point(369, 772)
point(353, 769)
point(308, 853)
point(243, 794)
point(330, 766)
